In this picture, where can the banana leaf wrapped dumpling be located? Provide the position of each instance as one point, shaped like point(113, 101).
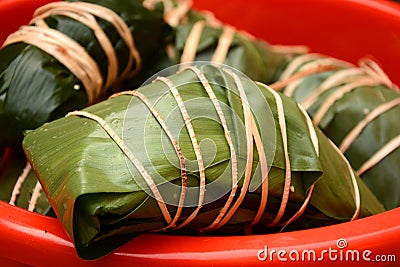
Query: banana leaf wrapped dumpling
point(73, 54)
point(203, 40)
point(203, 150)
point(200, 36)
point(358, 108)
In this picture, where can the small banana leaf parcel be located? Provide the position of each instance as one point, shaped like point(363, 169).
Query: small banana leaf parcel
point(200, 36)
point(358, 108)
point(71, 55)
point(205, 150)
point(203, 38)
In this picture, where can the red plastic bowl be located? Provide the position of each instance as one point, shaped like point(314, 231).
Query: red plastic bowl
point(345, 29)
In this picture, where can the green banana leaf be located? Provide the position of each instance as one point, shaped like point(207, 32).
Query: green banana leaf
point(117, 169)
point(369, 90)
point(36, 88)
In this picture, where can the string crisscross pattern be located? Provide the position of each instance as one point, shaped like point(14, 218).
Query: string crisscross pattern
point(345, 78)
point(253, 141)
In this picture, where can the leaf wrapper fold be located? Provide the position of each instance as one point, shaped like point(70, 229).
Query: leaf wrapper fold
point(101, 198)
point(357, 107)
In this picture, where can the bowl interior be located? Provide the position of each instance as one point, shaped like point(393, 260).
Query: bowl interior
point(348, 30)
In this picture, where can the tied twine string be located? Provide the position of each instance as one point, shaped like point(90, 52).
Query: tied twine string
point(35, 196)
point(375, 113)
point(380, 155)
point(175, 12)
point(192, 42)
point(249, 142)
point(339, 94)
point(314, 140)
point(345, 79)
point(252, 135)
point(132, 158)
point(178, 150)
point(224, 41)
point(228, 138)
point(18, 185)
point(195, 144)
point(71, 54)
point(287, 187)
point(288, 173)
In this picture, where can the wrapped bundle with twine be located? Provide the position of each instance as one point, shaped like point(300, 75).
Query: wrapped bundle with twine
point(358, 108)
point(200, 36)
point(71, 55)
point(203, 150)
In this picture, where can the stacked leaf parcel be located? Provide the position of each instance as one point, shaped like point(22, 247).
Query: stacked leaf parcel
point(76, 53)
point(73, 54)
point(358, 108)
point(202, 150)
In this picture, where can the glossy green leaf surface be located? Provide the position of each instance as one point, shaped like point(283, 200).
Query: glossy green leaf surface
point(99, 196)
